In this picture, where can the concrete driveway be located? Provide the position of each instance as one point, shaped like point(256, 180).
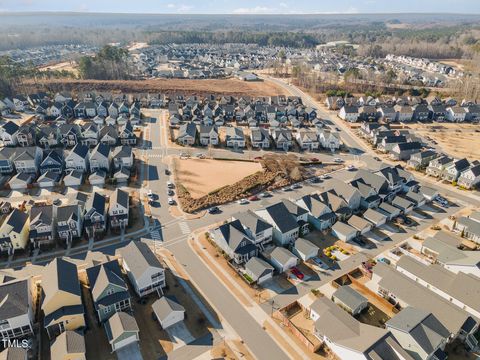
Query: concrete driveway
point(179, 335)
point(129, 352)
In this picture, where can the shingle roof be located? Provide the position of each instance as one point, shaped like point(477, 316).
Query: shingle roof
point(258, 266)
point(101, 276)
point(14, 299)
point(426, 330)
point(60, 275)
point(350, 297)
point(164, 306)
point(282, 218)
point(17, 219)
point(121, 197)
point(252, 221)
point(139, 258)
point(281, 255)
point(304, 246)
point(68, 342)
point(118, 324)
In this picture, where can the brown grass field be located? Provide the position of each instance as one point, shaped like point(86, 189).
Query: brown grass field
point(201, 176)
point(170, 86)
point(458, 140)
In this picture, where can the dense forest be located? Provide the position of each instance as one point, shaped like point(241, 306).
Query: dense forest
point(110, 63)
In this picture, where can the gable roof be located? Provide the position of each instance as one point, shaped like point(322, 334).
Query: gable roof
point(118, 324)
point(68, 343)
point(282, 217)
point(103, 275)
point(119, 197)
point(164, 306)
point(423, 327)
point(60, 275)
point(139, 258)
point(14, 298)
point(252, 221)
point(349, 296)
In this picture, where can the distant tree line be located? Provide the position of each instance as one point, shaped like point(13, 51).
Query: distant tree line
point(291, 39)
point(110, 63)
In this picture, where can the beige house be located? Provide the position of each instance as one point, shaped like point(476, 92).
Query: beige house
point(14, 232)
point(62, 301)
point(69, 345)
point(122, 330)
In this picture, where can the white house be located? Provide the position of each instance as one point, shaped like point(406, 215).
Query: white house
point(259, 270)
point(304, 249)
point(144, 270)
point(168, 312)
point(118, 210)
point(78, 157)
point(282, 259)
point(122, 330)
point(285, 227)
point(344, 231)
point(16, 310)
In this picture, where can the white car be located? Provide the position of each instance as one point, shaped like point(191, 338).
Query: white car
point(337, 160)
point(243, 201)
point(171, 201)
point(265, 195)
point(350, 167)
point(150, 193)
point(170, 185)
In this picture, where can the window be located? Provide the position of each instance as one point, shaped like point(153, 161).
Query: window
point(109, 292)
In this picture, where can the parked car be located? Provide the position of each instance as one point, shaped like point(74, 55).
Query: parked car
point(265, 195)
point(296, 186)
point(214, 210)
point(350, 167)
point(171, 201)
point(258, 158)
point(314, 159)
point(320, 263)
point(297, 273)
point(170, 192)
point(150, 194)
point(441, 201)
point(324, 177)
point(338, 160)
point(200, 155)
point(314, 180)
point(243, 201)
point(170, 185)
point(253, 198)
point(184, 155)
point(167, 172)
point(376, 158)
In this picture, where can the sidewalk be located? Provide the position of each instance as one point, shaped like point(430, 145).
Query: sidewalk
point(253, 308)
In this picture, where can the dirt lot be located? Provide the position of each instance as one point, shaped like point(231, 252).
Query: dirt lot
point(66, 65)
point(201, 176)
point(169, 86)
point(459, 140)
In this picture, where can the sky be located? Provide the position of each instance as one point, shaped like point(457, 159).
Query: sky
point(245, 6)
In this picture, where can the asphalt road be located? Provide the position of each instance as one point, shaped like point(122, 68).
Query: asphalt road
point(175, 233)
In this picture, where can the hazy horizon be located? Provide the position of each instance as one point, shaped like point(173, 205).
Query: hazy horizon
point(252, 7)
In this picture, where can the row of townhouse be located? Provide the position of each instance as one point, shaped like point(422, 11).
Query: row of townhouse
point(402, 145)
point(378, 197)
point(281, 138)
point(405, 113)
point(65, 105)
point(461, 171)
point(429, 289)
point(32, 165)
point(43, 224)
point(469, 226)
point(62, 303)
point(67, 135)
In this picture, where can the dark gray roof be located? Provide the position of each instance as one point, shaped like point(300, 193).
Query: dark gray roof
point(121, 197)
point(17, 220)
point(234, 234)
point(14, 299)
point(252, 221)
point(282, 217)
point(97, 202)
point(101, 149)
point(67, 212)
point(80, 150)
point(60, 274)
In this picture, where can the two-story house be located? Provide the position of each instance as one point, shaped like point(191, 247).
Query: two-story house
point(118, 210)
point(78, 158)
point(259, 230)
point(69, 222)
point(234, 240)
point(17, 314)
point(319, 214)
point(95, 217)
point(109, 290)
point(260, 138)
point(62, 301)
point(208, 135)
point(27, 160)
point(100, 158)
point(42, 225)
point(143, 268)
point(52, 162)
point(14, 231)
